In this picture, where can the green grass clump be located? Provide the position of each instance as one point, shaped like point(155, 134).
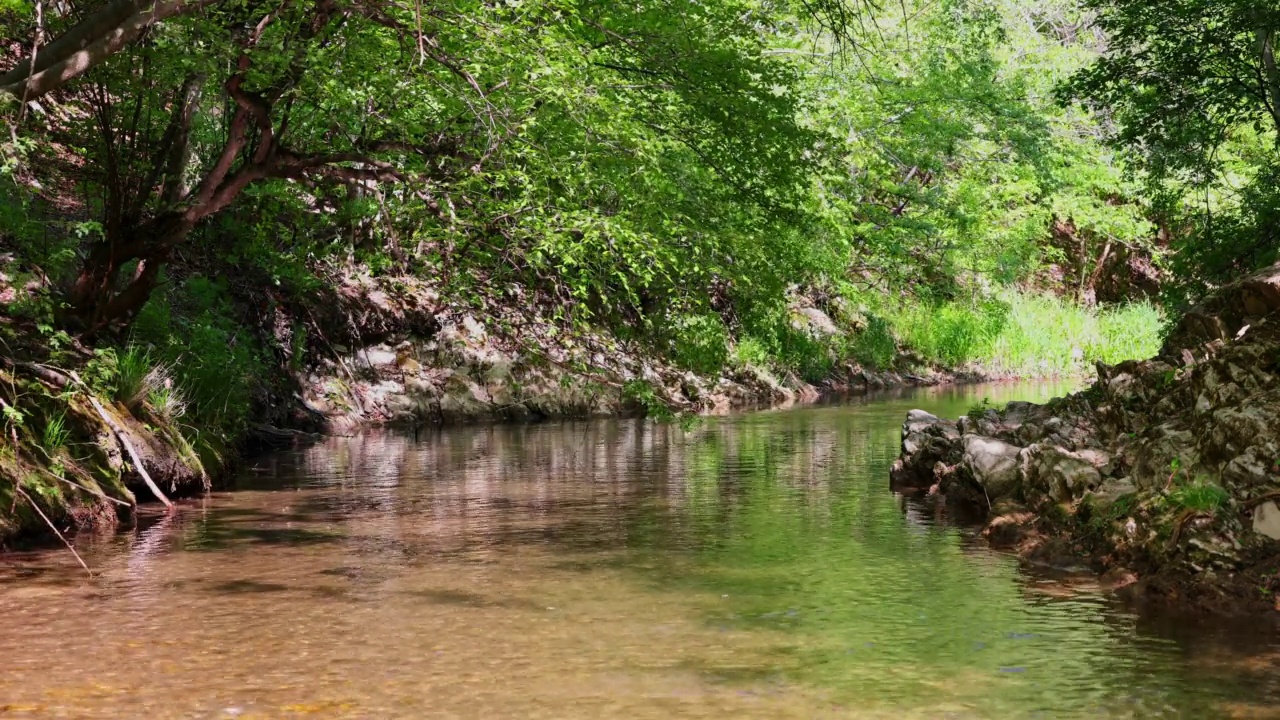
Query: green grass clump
point(133, 375)
point(55, 435)
point(1199, 495)
point(1010, 333)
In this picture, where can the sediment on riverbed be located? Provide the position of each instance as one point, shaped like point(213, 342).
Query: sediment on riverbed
point(1164, 473)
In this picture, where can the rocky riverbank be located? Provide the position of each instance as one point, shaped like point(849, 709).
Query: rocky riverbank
point(376, 351)
point(1164, 473)
point(512, 365)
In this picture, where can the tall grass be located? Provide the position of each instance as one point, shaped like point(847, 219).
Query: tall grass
point(1029, 335)
point(214, 364)
point(133, 375)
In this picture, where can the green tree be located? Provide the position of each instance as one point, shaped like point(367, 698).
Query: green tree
point(1194, 91)
point(194, 102)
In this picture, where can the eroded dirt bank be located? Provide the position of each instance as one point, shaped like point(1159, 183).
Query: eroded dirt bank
point(1164, 473)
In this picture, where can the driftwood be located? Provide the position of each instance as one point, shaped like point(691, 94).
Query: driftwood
point(133, 454)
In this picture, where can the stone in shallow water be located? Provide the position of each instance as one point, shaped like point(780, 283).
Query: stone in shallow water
point(1266, 520)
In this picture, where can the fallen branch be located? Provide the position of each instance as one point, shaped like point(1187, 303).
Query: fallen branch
point(1255, 502)
point(133, 454)
point(96, 493)
point(54, 528)
point(1181, 522)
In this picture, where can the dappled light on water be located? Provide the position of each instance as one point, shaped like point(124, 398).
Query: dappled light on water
point(752, 566)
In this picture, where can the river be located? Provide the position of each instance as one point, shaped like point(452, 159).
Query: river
point(751, 566)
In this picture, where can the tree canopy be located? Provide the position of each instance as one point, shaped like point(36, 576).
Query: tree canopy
point(654, 166)
point(1193, 90)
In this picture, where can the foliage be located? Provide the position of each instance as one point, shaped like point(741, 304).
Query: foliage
point(1194, 91)
point(954, 159)
point(1028, 334)
point(646, 397)
point(212, 365)
point(979, 411)
point(676, 172)
point(874, 344)
point(700, 343)
point(749, 352)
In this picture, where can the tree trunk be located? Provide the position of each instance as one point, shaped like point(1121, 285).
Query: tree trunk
point(89, 43)
point(98, 299)
point(1271, 73)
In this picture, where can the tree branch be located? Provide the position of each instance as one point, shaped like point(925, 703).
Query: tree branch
point(96, 39)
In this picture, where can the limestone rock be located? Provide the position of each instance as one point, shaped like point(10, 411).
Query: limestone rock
point(374, 357)
point(816, 322)
point(1266, 520)
point(926, 441)
point(993, 464)
point(1058, 473)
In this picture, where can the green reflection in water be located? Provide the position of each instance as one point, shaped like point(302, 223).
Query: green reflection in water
point(789, 523)
point(755, 566)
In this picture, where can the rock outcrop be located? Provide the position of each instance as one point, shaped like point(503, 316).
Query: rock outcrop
point(418, 359)
point(1169, 465)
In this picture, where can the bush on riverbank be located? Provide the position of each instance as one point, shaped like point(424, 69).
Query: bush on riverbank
point(73, 421)
point(1025, 334)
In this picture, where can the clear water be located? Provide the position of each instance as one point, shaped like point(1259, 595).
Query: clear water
point(755, 566)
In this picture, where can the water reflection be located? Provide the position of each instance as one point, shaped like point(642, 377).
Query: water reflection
point(754, 566)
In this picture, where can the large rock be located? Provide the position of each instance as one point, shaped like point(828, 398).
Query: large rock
point(993, 464)
point(1222, 315)
point(927, 442)
point(816, 322)
point(1052, 472)
point(1169, 465)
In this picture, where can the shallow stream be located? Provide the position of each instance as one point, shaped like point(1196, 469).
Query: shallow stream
point(754, 566)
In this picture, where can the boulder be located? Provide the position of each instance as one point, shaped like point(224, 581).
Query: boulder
point(926, 441)
point(993, 464)
point(816, 322)
point(1053, 472)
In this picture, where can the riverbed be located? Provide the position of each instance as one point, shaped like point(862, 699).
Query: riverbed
point(750, 566)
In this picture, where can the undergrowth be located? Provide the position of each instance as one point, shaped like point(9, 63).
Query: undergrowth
point(1022, 334)
point(205, 367)
point(1011, 334)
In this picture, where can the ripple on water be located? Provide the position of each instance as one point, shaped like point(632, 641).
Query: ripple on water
point(754, 566)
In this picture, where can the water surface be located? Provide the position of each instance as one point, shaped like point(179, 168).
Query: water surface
point(754, 566)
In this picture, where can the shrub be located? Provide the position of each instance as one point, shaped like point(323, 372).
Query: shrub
point(748, 351)
point(212, 365)
point(701, 343)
